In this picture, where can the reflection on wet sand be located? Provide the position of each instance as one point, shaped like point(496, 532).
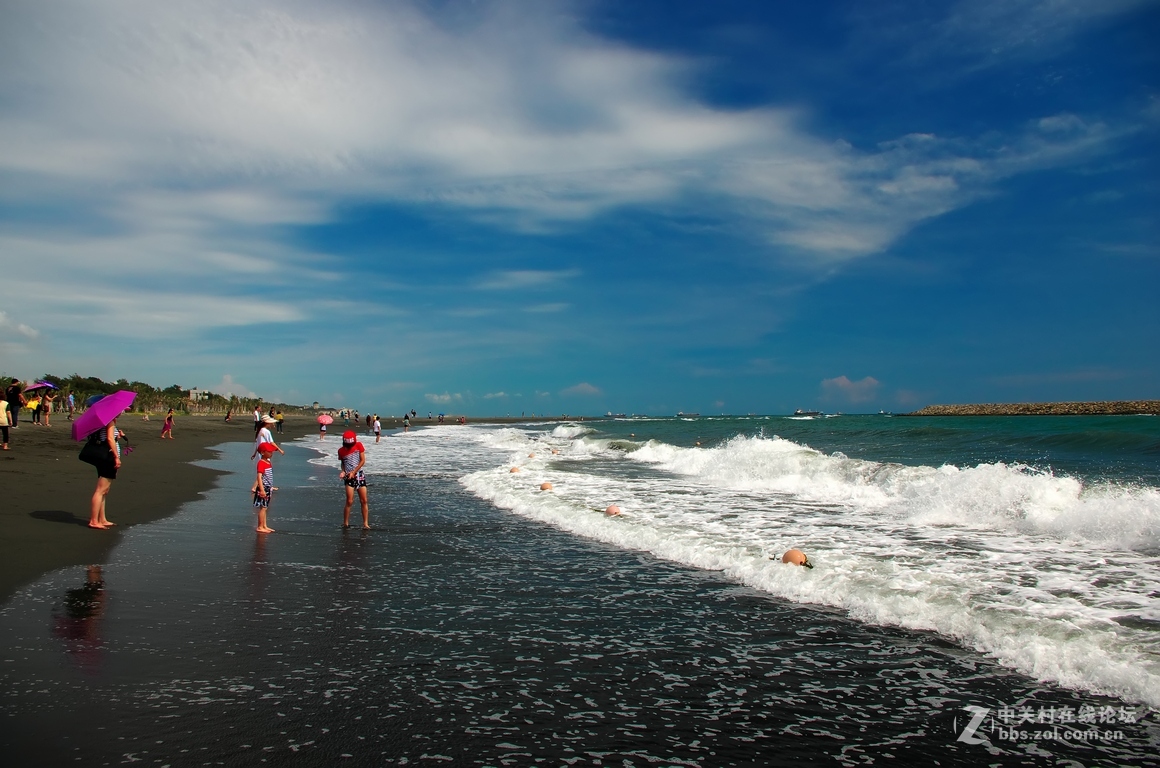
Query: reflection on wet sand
point(77, 621)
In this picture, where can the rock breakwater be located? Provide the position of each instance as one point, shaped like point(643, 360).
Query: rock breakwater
point(1105, 408)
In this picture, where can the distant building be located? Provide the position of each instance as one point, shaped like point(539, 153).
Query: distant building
point(198, 394)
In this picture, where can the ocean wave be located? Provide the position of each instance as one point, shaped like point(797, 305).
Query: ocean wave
point(1049, 575)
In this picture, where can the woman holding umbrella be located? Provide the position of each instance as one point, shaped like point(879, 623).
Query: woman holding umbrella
point(108, 461)
point(98, 427)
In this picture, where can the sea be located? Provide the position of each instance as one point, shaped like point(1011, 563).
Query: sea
point(984, 591)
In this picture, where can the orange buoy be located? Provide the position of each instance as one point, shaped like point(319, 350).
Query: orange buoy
point(515, 469)
point(531, 455)
point(612, 510)
point(545, 486)
point(796, 557)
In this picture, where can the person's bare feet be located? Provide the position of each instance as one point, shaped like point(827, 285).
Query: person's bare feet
point(264, 530)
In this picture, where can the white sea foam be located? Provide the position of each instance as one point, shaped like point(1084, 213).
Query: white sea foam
point(1047, 575)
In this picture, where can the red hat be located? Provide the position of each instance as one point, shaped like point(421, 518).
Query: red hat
point(349, 436)
point(267, 448)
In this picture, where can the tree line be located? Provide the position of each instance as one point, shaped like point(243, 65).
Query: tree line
point(152, 399)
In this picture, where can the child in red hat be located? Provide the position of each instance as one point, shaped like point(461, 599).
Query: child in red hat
point(353, 457)
point(264, 485)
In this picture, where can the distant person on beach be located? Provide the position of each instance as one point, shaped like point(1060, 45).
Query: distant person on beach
point(280, 419)
point(72, 404)
point(46, 401)
point(229, 414)
point(167, 428)
point(406, 423)
point(257, 419)
point(264, 485)
point(4, 423)
point(107, 459)
point(14, 394)
point(378, 427)
point(264, 437)
point(353, 457)
point(368, 422)
point(37, 409)
point(321, 430)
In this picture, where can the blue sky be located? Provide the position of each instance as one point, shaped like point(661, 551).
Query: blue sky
point(576, 207)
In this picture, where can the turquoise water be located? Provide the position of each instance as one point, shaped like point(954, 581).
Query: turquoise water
point(1096, 448)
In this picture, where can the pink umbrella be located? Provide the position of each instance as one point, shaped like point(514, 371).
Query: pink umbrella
point(326, 418)
point(100, 413)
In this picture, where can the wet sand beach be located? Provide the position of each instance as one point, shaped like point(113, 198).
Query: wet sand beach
point(46, 489)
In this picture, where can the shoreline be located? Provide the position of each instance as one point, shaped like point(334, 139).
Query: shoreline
point(1096, 408)
point(46, 489)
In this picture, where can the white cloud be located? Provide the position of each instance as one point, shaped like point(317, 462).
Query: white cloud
point(27, 331)
point(583, 388)
point(844, 390)
point(516, 279)
point(195, 118)
point(179, 140)
point(227, 387)
point(494, 395)
point(444, 398)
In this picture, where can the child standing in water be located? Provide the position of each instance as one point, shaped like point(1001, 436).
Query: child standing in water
point(264, 485)
point(353, 456)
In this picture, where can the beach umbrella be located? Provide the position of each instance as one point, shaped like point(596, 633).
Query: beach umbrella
point(40, 385)
point(101, 412)
point(326, 418)
point(92, 399)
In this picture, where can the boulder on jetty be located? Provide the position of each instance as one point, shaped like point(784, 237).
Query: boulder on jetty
point(1106, 408)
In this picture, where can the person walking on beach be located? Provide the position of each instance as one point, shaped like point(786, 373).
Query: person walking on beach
point(257, 419)
point(46, 401)
point(264, 485)
point(72, 404)
point(4, 423)
point(14, 394)
point(352, 455)
point(378, 426)
point(107, 459)
point(167, 428)
point(37, 409)
point(280, 419)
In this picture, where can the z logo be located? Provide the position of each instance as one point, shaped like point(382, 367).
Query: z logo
point(968, 735)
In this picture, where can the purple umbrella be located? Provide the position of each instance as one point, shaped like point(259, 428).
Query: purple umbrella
point(101, 413)
point(40, 385)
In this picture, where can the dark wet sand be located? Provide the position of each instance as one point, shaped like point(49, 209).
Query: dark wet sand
point(46, 489)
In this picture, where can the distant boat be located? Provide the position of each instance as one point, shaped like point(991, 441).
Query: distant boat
point(611, 415)
point(683, 415)
point(800, 412)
